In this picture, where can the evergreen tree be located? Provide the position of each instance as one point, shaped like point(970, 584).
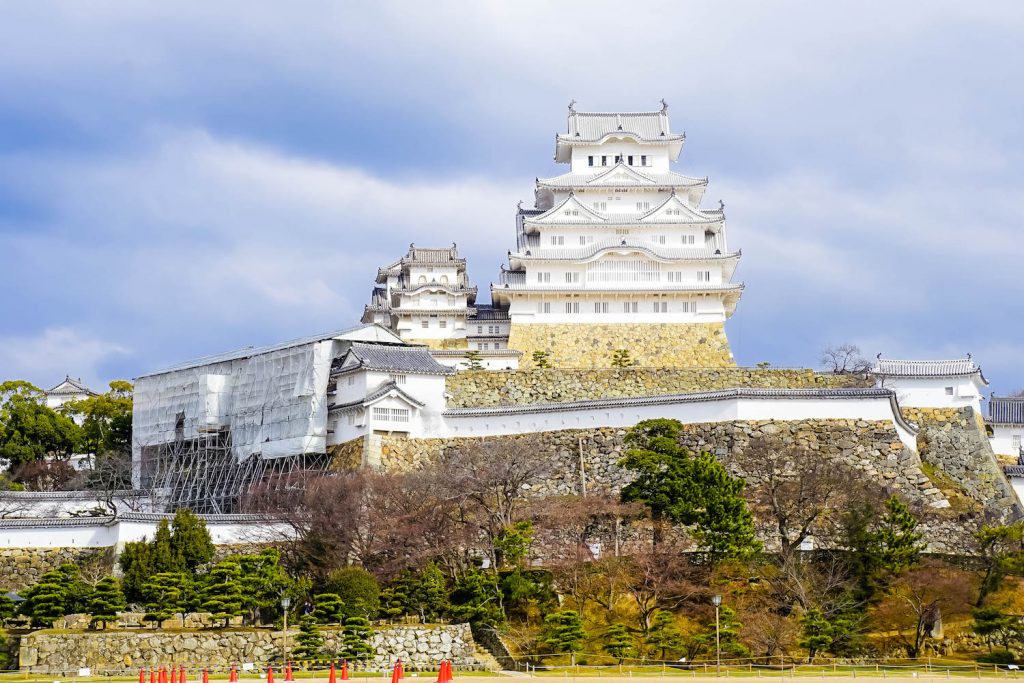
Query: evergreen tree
point(563, 632)
point(328, 608)
point(164, 555)
point(619, 643)
point(192, 544)
point(815, 632)
point(358, 590)
point(1002, 552)
point(541, 359)
point(166, 594)
point(222, 593)
point(107, 601)
point(136, 562)
point(309, 639)
point(356, 639)
point(513, 543)
point(7, 608)
point(664, 634)
point(622, 359)
point(430, 594)
point(477, 598)
point(58, 592)
point(473, 359)
point(696, 491)
point(394, 599)
point(263, 582)
point(896, 542)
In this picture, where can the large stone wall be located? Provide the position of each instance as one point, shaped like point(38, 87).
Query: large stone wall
point(54, 651)
point(554, 385)
point(668, 345)
point(870, 447)
point(22, 567)
point(954, 441)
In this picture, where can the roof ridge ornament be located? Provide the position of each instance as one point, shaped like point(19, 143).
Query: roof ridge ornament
point(572, 106)
point(664, 106)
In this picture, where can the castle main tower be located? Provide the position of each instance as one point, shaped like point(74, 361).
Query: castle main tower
point(617, 253)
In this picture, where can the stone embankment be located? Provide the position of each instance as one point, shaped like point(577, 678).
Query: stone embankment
point(21, 567)
point(554, 385)
point(54, 651)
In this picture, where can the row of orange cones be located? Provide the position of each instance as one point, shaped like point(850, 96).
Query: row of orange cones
point(444, 674)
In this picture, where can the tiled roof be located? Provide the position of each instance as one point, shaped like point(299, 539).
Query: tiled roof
point(652, 248)
point(697, 216)
point(251, 351)
point(380, 392)
point(516, 281)
point(487, 312)
point(70, 387)
point(585, 180)
point(926, 368)
point(593, 126)
point(1014, 470)
point(397, 358)
point(1006, 409)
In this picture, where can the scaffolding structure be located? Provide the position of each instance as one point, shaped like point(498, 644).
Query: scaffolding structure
point(202, 474)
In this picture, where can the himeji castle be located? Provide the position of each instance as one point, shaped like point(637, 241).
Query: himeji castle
point(616, 254)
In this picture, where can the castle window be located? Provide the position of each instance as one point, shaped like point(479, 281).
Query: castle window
point(590, 160)
point(618, 158)
point(352, 418)
point(703, 276)
point(643, 159)
point(949, 391)
point(600, 307)
point(486, 346)
point(558, 240)
point(422, 280)
point(442, 324)
point(497, 346)
point(600, 206)
point(643, 206)
point(351, 380)
point(543, 277)
point(572, 306)
point(1015, 441)
point(543, 307)
point(621, 231)
point(689, 239)
point(479, 329)
point(661, 307)
point(630, 306)
point(586, 239)
point(424, 324)
point(661, 239)
point(630, 159)
point(688, 306)
point(572, 278)
point(390, 414)
point(604, 161)
point(397, 379)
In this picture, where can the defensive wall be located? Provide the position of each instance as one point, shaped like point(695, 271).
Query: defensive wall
point(666, 345)
point(552, 385)
point(53, 651)
point(30, 547)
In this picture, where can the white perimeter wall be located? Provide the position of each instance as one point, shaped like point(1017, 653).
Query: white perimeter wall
point(104, 533)
point(931, 393)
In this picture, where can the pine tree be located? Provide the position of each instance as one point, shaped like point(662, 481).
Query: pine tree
point(356, 640)
point(541, 359)
point(136, 562)
point(473, 359)
point(107, 601)
point(309, 639)
point(430, 594)
point(477, 598)
point(563, 632)
point(328, 608)
point(191, 540)
point(622, 359)
point(166, 594)
point(620, 643)
point(896, 542)
point(263, 582)
point(165, 557)
point(815, 632)
point(44, 601)
point(222, 594)
point(664, 634)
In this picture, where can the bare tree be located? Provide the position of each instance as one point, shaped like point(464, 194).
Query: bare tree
point(845, 359)
point(797, 493)
point(663, 579)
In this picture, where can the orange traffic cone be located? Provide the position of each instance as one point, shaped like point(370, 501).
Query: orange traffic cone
point(396, 674)
point(206, 675)
point(234, 674)
point(181, 675)
point(142, 676)
point(447, 666)
point(288, 676)
point(344, 669)
point(152, 676)
point(331, 678)
point(270, 674)
point(440, 672)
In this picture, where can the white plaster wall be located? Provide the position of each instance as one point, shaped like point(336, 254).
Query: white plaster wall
point(687, 412)
point(45, 536)
point(657, 156)
point(1002, 439)
point(925, 392)
point(1018, 487)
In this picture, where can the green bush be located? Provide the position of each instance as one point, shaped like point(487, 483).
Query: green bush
point(358, 590)
point(998, 657)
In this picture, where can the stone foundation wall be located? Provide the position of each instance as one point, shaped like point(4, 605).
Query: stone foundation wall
point(442, 344)
point(953, 440)
point(53, 651)
point(553, 385)
point(22, 567)
point(668, 345)
point(873, 448)
point(348, 455)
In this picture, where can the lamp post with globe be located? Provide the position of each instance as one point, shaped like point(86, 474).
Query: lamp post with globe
point(716, 600)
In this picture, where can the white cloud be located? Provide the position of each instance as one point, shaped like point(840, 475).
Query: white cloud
point(44, 358)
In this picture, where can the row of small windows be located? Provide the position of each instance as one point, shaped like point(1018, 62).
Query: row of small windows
point(559, 240)
point(486, 346)
point(425, 323)
point(573, 307)
point(573, 278)
point(491, 329)
point(390, 414)
point(641, 158)
point(422, 280)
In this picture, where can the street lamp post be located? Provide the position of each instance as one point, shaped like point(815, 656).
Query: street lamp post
point(286, 602)
point(717, 601)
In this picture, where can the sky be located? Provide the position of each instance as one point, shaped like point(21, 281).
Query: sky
point(184, 178)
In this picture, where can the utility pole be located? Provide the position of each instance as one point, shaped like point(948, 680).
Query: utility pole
point(717, 600)
point(286, 602)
